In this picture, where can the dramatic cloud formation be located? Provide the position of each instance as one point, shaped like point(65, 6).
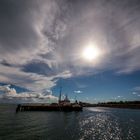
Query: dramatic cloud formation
point(11, 94)
point(42, 40)
point(25, 45)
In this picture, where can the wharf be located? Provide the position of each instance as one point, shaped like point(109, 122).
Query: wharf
point(51, 107)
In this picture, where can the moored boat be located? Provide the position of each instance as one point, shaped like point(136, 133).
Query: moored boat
point(62, 105)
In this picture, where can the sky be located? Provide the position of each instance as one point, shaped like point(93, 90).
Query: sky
point(90, 48)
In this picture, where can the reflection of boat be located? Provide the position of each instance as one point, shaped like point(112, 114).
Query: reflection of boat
point(62, 105)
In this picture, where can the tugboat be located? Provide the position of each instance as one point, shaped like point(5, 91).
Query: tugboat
point(62, 105)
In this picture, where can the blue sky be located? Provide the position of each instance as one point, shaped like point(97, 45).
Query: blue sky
point(106, 86)
point(90, 48)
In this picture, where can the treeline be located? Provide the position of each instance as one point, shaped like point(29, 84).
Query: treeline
point(121, 102)
point(114, 104)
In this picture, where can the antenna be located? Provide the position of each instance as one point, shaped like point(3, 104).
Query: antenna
point(60, 93)
point(75, 99)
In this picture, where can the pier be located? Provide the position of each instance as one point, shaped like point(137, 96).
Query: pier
point(51, 107)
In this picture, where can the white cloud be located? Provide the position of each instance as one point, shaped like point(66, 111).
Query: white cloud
point(27, 50)
point(31, 81)
point(134, 93)
point(119, 96)
point(78, 91)
point(42, 28)
point(137, 88)
point(10, 93)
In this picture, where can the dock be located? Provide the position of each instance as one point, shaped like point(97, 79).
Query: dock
point(62, 105)
point(51, 107)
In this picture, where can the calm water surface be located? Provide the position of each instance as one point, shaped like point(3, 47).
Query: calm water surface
point(91, 124)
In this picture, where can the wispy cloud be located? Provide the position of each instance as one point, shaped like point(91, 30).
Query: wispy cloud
point(41, 41)
point(118, 98)
point(136, 91)
point(136, 88)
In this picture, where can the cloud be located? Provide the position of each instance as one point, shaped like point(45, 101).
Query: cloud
point(134, 93)
point(38, 67)
point(137, 88)
point(30, 81)
point(118, 98)
point(11, 94)
point(24, 40)
point(41, 41)
point(78, 91)
point(22, 29)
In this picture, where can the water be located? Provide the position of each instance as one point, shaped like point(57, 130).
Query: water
point(91, 124)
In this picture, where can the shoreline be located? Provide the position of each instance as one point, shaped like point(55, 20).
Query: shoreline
point(116, 106)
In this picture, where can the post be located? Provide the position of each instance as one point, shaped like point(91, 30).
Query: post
point(60, 94)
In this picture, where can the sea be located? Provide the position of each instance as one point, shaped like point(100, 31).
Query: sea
point(93, 123)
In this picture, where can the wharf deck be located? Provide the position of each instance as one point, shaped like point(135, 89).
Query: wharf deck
point(30, 107)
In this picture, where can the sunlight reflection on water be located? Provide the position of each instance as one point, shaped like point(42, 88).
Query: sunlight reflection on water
point(97, 109)
point(100, 126)
point(91, 124)
point(103, 126)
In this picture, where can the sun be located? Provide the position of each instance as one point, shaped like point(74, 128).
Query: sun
point(90, 53)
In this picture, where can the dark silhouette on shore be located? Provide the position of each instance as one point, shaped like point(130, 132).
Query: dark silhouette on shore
point(115, 104)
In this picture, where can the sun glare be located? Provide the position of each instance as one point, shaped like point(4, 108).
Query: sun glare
point(90, 53)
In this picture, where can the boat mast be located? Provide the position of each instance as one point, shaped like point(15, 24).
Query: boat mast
point(60, 94)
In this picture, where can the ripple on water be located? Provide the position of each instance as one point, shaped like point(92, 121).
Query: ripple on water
point(103, 126)
point(90, 124)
